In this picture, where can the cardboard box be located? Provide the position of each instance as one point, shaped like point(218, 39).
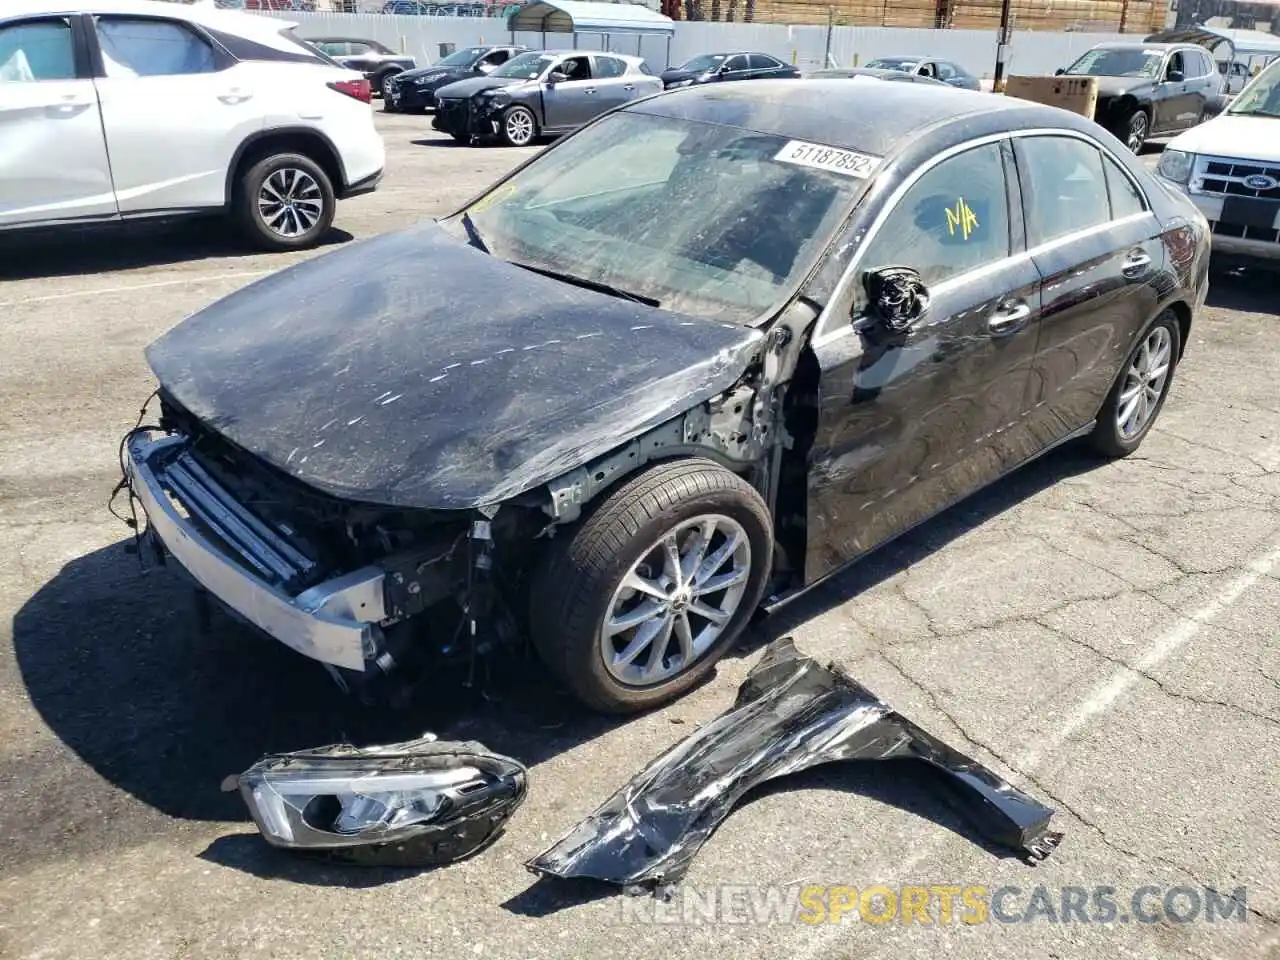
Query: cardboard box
point(1077, 94)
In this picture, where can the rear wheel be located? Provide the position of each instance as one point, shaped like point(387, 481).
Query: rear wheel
point(1139, 393)
point(285, 202)
point(1133, 128)
point(519, 126)
point(634, 605)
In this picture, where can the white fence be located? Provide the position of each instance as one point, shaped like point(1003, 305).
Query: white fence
point(1031, 52)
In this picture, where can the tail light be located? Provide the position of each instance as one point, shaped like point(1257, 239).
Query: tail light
point(359, 89)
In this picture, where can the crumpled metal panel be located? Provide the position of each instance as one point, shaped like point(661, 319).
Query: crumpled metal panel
point(791, 714)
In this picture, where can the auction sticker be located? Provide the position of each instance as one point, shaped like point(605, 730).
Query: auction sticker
point(828, 158)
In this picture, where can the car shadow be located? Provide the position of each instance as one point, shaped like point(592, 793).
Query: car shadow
point(116, 662)
point(1245, 286)
point(108, 248)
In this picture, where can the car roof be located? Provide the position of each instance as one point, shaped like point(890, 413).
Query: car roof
point(1139, 45)
point(879, 118)
point(239, 22)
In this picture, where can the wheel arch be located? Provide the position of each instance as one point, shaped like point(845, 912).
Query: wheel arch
point(306, 141)
point(1182, 310)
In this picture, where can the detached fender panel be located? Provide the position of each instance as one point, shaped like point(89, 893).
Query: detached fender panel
point(791, 714)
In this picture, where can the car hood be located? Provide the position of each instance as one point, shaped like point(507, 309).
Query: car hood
point(445, 74)
point(1244, 138)
point(473, 85)
point(413, 370)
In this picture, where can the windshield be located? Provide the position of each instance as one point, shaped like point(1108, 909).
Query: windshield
point(460, 58)
point(527, 66)
point(1261, 98)
point(902, 66)
point(708, 61)
point(702, 218)
point(1118, 63)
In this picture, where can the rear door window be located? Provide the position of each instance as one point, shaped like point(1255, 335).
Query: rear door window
point(609, 67)
point(135, 47)
point(1064, 186)
point(759, 61)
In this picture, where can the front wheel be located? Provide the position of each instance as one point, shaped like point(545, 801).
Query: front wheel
point(384, 84)
point(519, 126)
point(1139, 392)
point(634, 605)
point(285, 202)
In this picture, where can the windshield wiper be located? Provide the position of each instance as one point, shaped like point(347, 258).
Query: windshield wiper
point(473, 235)
point(591, 285)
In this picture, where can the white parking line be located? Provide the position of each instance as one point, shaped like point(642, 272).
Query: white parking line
point(102, 291)
point(1102, 698)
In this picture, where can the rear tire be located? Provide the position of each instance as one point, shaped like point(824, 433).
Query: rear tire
point(580, 593)
point(1136, 399)
point(284, 202)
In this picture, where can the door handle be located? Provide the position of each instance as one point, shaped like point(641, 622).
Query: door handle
point(1008, 318)
point(69, 104)
point(628, 86)
point(233, 97)
point(1135, 264)
point(589, 90)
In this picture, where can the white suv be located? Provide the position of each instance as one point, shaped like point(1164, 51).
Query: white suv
point(1230, 168)
point(124, 109)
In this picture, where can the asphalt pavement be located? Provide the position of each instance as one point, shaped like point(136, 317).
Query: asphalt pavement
point(1103, 635)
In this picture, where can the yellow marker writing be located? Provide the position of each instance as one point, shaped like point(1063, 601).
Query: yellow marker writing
point(961, 216)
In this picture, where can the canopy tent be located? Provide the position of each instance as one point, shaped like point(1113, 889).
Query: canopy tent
point(1239, 43)
point(579, 16)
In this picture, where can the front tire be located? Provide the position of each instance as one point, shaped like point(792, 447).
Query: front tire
point(1139, 392)
point(519, 126)
point(285, 202)
point(634, 605)
point(384, 84)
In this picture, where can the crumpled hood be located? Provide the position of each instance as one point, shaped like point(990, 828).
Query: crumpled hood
point(674, 76)
point(413, 370)
point(1244, 138)
point(473, 85)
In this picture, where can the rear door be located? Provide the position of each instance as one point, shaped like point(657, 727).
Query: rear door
point(737, 67)
point(766, 67)
point(913, 421)
point(175, 108)
point(53, 157)
point(1097, 246)
point(613, 87)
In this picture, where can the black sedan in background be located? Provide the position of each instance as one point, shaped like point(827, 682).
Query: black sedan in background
point(845, 73)
point(414, 91)
point(714, 67)
point(708, 350)
point(946, 71)
point(378, 62)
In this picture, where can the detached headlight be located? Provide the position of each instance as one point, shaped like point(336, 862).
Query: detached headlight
point(407, 804)
point(1176, 165)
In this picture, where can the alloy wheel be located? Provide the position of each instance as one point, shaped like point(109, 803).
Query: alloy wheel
point(388, 83)
point(519, 127)
point(290, 202)
point(675, 601)
point(1144, 383)
point(1137, 131)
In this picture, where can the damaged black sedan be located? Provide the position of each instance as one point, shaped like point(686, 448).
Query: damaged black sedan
point(692, 359)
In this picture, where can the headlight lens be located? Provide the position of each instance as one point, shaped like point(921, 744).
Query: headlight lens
point(411, 803)
point(1176, 165)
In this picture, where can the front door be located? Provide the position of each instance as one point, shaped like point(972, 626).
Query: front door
point(174, 111)
point(573, 101)
point(1098, 247)
point(53, 158)
point(913, 421)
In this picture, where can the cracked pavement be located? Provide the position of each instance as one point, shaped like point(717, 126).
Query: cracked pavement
point(1103, 635)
